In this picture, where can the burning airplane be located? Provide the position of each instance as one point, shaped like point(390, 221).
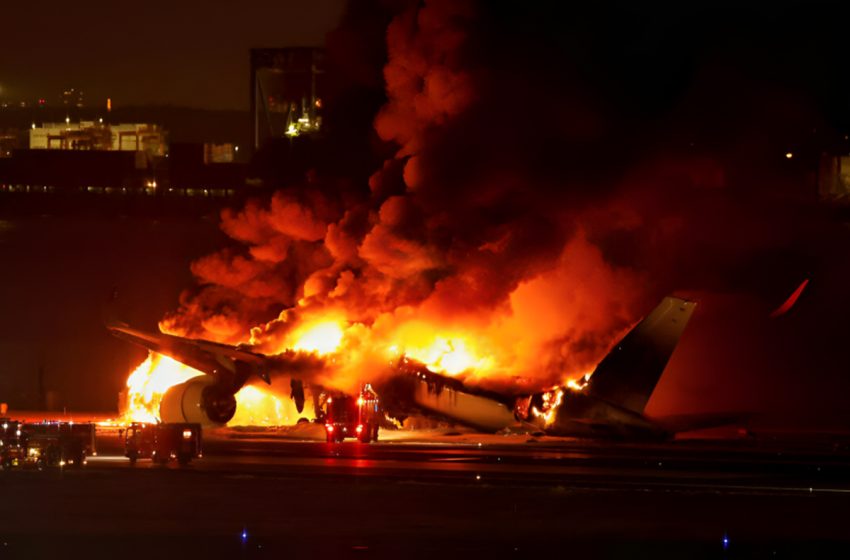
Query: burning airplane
point(607, 402)
point(476, 275)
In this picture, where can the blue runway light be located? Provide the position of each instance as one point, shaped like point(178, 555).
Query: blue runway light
point(725, 541)
point(244, 535)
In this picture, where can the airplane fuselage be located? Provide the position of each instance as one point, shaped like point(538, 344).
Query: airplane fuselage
point(576, 415)
point(610, 404)
point(583, 415)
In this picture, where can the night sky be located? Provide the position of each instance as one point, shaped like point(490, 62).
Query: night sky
point(189, 53)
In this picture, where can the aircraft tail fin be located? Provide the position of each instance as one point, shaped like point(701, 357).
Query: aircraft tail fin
point(627, 376)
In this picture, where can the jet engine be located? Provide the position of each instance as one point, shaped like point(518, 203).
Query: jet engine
point(199, 400)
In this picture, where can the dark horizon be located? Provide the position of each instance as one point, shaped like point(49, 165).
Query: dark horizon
point(192, 54)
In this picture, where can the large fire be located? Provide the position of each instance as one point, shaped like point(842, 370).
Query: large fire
point(323, 338)
point(149, 381)
point(255, 406)
point(478, 265)
point(450, 354)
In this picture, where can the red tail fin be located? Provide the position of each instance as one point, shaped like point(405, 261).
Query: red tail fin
point(789, 303)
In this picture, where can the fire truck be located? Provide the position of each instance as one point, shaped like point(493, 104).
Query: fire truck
point(12, 450)
point(162, 442)
point(349, 416)
point(52, 444)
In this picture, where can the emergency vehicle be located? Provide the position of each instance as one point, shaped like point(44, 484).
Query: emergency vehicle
point(349, 416)
point(56, 444)
point(12, 451)
point(162, 442)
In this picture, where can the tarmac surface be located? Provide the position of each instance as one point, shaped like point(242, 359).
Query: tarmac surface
point(274, 495)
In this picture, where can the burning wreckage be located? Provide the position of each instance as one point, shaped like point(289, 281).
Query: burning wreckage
point(610, 401)
point(477, 286)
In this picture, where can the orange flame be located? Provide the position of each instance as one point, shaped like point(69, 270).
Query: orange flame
point(259, 406)
point(149, 382)
point(324, 337)
point(580, 383)
point(551, 401)
point(449, 351)
point(451, 354)
point(255, 406)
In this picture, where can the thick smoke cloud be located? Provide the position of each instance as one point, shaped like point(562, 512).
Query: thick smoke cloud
point(523, 204)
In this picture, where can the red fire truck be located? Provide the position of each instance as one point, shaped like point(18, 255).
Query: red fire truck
point(46, 444)
point(349, 416)
point(162, 442)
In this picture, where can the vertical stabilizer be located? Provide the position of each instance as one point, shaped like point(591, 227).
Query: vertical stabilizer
point(627, 376)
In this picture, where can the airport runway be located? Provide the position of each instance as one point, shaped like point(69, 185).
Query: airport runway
point(450, 497)
point(738, 466)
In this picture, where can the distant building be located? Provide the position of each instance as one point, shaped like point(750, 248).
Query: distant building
point(286, 92)
point(834, 176)
point(94, 171)
point(10, 139)
point(91, 159)
point(203, 169)
point(91, 135)
point(220, 153)
point(73, 98)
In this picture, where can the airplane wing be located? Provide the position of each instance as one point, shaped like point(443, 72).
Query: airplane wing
point(228, 363)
